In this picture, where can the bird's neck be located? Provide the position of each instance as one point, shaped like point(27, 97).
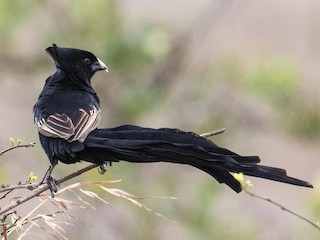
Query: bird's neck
point(60, 81)
point(74, 82)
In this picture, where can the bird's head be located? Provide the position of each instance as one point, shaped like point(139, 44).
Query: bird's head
point(77, 62)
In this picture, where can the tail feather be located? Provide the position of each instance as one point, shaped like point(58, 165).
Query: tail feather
point(137, 144)
point(223, 176)
point(275, 174)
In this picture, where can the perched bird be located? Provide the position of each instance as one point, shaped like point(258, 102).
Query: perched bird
point(67, 114)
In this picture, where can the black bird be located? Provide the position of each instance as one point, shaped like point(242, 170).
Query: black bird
point(67, 114)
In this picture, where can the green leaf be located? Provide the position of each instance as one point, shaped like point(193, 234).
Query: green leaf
point(239, 177)
point(248, 183)
point(32, 177)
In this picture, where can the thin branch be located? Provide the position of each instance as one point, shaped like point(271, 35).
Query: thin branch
point(6, 194)
point(267, 199)
point(4, 225)
point(45, 188)
point(245, 189)
point(29, 186)
point(17, 146)
point(4, 228)
point(8, 228)
point(77, 173)
point(213, 133)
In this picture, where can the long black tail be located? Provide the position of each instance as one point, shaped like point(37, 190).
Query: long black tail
point(137, 144)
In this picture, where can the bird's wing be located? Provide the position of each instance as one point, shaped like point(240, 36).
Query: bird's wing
point(72, 127)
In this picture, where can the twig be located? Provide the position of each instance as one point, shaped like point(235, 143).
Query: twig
point(4, 225)
point(6, 194)
point(26, 221)
point(45, 188)
point(213, 133)
point(267, 199)
point(4, 228)
point(77, 173)
point(29, 186)
point(7, 228)
point(17, 146)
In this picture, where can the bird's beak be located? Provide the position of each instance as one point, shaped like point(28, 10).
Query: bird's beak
point(98, 66)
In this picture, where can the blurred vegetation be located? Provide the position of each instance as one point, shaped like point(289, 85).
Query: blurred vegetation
point(133, 91)
point(12, 14)
point(278, 82)
point(98, 26)
point(274, 79)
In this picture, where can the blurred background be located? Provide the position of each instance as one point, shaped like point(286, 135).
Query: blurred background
point(251, 67)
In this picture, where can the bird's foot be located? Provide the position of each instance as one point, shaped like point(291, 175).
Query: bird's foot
point(52, 184)
point(103, 167)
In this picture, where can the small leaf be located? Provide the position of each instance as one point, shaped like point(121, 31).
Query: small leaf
point(239, 177)
point(249, 183)
point(12, 141)
point(19, 141)
point(32, 177)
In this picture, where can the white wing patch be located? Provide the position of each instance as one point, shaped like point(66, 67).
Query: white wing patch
point(75, 127)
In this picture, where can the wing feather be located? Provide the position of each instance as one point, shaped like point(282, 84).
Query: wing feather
point(85, 123)
point(72, 127)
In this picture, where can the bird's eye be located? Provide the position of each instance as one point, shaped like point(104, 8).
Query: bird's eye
point(87, 61)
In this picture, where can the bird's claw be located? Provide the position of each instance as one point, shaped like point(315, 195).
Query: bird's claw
point(102, 169)
point(52, 185)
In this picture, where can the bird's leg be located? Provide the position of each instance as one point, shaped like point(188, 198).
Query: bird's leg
point(103, 168)
point(45, 175)
point(51, 181)
point(52, 184)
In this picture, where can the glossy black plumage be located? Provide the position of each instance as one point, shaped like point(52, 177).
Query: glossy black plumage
point(68, 112)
